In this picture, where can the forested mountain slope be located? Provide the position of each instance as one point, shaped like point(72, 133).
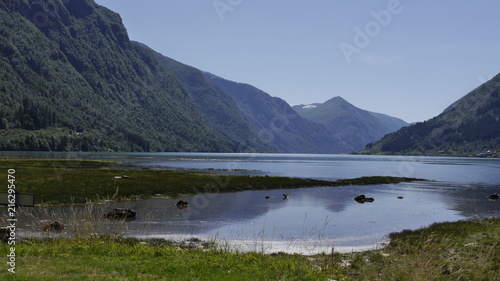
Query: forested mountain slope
point(217, 107)
point(70, 79)
point(469, 126)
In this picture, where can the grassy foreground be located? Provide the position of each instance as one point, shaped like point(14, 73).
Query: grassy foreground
point(447, 251)
point(77, 181)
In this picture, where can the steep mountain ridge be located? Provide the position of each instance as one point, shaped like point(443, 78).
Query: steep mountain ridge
point(469, 126)
point(216, 106)
point(70, 79)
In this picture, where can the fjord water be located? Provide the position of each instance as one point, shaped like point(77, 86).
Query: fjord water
point(311, 220)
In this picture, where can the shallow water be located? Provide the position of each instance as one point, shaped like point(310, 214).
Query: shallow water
point(311, 220)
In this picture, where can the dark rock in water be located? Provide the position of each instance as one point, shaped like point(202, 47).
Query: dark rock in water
point(55, 226)
point(182, 204)
point(120, 214)
point(361, 198)
point(494, 196)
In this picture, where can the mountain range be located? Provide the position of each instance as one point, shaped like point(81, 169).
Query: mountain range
point(71, 80)
point(277, 123)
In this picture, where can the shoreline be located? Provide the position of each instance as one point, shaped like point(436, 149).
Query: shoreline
point(55, 181)
point(304, 247)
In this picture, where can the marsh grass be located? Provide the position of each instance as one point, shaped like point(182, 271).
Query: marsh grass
point(77, 181)
point(465, 250)
point(80, 220)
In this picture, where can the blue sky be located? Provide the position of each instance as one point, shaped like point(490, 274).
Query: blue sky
point(407, 58)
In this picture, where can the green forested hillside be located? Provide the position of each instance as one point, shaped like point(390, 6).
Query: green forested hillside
point(71, 80)
point(469, 126)
point(217, 107)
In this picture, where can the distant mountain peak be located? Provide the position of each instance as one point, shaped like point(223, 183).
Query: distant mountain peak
point(354, 126)
point(337, 99)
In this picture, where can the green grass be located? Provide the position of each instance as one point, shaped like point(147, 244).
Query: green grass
point(77, 181)
point(129, 259)
point(465, 250)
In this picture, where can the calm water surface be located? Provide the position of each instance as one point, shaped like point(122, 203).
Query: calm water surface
point(314, 219)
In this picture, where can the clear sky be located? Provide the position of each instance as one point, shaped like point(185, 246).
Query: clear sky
point(407, 58)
